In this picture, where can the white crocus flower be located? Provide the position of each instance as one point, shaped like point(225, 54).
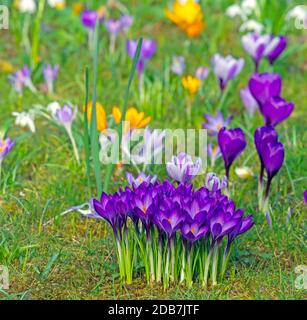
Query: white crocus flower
point(25, 119)
point(251, 25)
point(53, 107)
point(56, 3)
point(27, 6)
point(235, 11)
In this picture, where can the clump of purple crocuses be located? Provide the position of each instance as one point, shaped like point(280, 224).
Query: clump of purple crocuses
point(177, 233)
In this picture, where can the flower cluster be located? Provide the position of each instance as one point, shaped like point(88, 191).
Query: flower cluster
point(179, 233)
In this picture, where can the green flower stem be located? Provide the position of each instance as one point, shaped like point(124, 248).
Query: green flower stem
point(151, 260)
point(159, 259)
point(182, 274)
point(172, 274)
point(120, 259)
point(73, 143)
point(214, 265)
point(166, 271)
point(206, 269)
point(189, 267)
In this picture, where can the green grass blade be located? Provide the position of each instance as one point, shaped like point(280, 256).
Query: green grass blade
point(94, 132)
point(86, 136)
point(124, 110)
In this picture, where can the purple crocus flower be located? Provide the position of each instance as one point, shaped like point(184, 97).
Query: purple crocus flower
point(273, 155)
point(193, 231)
point(178, 65)
point(243, 226)
point(65, 115)
point(221, 224)
point(264, 86)
point(226, 68)
point(5, 147)
point(275, 48)
point(201, 73)
point(21, 79)
point(248, 101)
point(142, 177)
point(262, 136)
point(213, 183)
point(50, 74)
point(126, 21)
point(255, 45)
point(232, 143)
point(276, 110)
point(148, 49)
point(170, 219)
point(106, 208)
point(89, 18)
point(305, 196)
point(182, 168)
point(114, 26)
point(215, 123)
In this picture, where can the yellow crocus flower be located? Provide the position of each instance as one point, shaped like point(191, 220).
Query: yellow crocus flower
point(136, 119)
point(188, 16)
point(77, 8)
point(6, 66)
point(102, 123)
point(191, 84)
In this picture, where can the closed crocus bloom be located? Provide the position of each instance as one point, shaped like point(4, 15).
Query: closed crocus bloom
point(188, 16)
point(66, 115)
point(213, 183)
point(101, 117)
point(89, 18)
point(226, 68)
point(248, 101)
point(126, 21)
point(201, 73)
point(182, 168)
point(275, 48)
point(305, 196)
point(50, 74)
point(264, 85)
point(255, 45)
point(191, 84)
point(276, 110)
point(232, 143)
point(262, 136)
point(178, 65)
point(273, 157)
point(26, 6)
point(114, 26)
point(135, 118)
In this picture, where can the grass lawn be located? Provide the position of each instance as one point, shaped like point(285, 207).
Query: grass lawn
point(71, 257)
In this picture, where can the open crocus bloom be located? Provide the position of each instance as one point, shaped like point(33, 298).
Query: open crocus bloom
point(215, 123)
point(191, 84)
point(142, 177)
point(188, 16)
point(134, 118)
